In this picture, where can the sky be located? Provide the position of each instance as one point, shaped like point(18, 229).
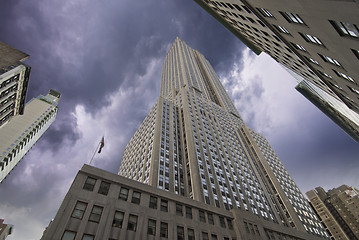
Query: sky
point(105, 57)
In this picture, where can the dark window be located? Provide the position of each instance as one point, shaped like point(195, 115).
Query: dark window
point(214, 237)
point(96, 214)
point(153, 202)
point(164, 205)
point(132, 223)
point(205, 236)
point(179, 211)
point(89, 184)
point(265, 12)
point(210, 218)
point(164, 230)
point(356, 52)
point(136, 197)
point(188, 212)
point(79, 210)
point(312, 39)
point(190, 234)
point(118, 219)
point(123, 194)
point(68, 235)
point(292, 17)
point(180, 233)
point(229, 222)
point(88, 237)
point(151, 229)
point(104, 187)
point(222, 222)
point(202, 217)
point(346, 29)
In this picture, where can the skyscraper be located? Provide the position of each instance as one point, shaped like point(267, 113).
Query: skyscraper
point(22, 132)
point(192, 170)
point(14, 79)
point(194, 143)
point(338, 209)
point(315, 40)
point(5, 229)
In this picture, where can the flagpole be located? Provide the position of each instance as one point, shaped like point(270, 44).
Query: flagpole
point(94, 153)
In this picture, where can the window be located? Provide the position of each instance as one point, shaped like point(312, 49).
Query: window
point(205, 236)
point(123, 194)
point(229, 222)
point(214, 237)
point(190, 234)
point(136, 197)
point(164, 230)
point(88, 237)
point(202, 217)
point(330, 60)
point(265, 12)
point(188, 212)
point(95, 214)
point(79, 210)
point(353, 90)
point(68, 235)
point(344, 76)
point(345, 29)
point(299, 47)
point(311, 39)
point(151, 229)
point(180, 233)
point(282, 29)
point(292, 17)
point(118, 219)
point(312, 60)
point(89, 184)
point(179, 211)
point(104, 187)
point(153, 202)
point(222, 222)
point(132, 223)
point(325, 74)
point(210, 218)
point(356, 52)
point(164, 205)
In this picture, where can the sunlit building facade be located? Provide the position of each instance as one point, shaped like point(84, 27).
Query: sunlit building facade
point(316, 40)
point(14, 79)
point(194, 143)
point(338, 209)
point(19, 135)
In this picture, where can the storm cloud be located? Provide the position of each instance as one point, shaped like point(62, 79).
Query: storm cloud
point(105, 57)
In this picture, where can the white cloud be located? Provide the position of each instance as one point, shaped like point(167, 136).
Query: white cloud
point(25, 226)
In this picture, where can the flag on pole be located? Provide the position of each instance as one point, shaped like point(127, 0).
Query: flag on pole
point(102, 144)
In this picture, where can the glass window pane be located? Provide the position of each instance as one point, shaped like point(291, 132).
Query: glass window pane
point(68, 235)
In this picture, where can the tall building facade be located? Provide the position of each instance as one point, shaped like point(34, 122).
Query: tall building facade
point(338, 209)
point(315, 40)
point(5, 229)
point(195, 144)
point(14, 79)
point(19, 135)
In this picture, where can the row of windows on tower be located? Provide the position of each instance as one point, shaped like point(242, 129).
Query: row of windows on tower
point(343, 28)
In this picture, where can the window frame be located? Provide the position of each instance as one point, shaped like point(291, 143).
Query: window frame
point(164, 205)
point(151, 229)
point(118, 221)
point(293, 18)
point(68, 231)
point(88, 186)
point(132, 222)
point(93, 215)
point(152, 204)
point(312, 39)
point(80, 210)
point(163, 230)
point(121, 195)
point(136, 197)
point(344, 29)
point(104, 188)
